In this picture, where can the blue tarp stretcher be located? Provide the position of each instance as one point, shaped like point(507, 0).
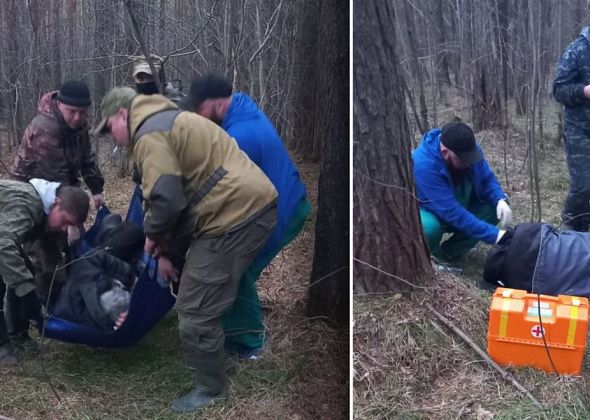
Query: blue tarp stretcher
point(150, 299)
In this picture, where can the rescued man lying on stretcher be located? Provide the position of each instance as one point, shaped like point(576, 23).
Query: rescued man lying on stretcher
point(97, 289)
point(540, 259)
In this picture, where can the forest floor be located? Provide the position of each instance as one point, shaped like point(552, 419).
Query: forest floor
point(303, 373)
point(408, 365)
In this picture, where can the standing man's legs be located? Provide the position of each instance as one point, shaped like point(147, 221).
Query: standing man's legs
point(208, 288)
point(243, 323)
point(576, 211)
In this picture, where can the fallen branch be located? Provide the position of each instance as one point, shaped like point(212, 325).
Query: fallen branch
point(506, 375)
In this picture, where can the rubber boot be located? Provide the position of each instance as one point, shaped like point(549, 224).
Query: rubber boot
point(209, 383)
point(7, 357)
point(18, 312)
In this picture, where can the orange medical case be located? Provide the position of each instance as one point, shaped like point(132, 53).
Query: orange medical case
point(515, 335)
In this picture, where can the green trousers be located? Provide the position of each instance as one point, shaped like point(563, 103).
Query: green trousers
point(459, 243)
point(243, 324)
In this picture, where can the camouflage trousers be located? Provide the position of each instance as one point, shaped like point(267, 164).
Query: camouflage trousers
point(576, 211)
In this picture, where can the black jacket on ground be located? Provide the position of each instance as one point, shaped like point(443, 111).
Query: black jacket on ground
point(540, 259)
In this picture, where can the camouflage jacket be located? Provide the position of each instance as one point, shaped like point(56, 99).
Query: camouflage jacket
point(51, 150)
point(22, 221)
point(573, 73)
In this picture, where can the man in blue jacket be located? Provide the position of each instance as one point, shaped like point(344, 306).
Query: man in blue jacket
point(211, 97)
point(458, 192)
point(572, 89)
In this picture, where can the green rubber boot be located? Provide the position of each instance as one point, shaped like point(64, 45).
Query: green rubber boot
point(209, 381)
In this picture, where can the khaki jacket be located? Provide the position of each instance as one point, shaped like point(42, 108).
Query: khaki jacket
point(192, 172)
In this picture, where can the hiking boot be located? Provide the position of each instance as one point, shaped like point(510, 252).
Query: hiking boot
point(209, 381)
point(249, 353)
point(7, 356)
point(194, 400)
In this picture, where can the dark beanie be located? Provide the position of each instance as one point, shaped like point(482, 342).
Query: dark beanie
point(74, 93)
point(209, 86)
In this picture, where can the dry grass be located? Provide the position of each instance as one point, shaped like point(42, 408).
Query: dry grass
point(302, 375)
point(407, 365)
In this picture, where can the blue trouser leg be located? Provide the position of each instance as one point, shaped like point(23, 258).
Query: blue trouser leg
point(576, 211)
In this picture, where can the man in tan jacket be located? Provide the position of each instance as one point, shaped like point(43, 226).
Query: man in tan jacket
point(202, 194)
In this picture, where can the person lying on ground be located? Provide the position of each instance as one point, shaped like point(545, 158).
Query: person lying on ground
point(538, 258)
point(29, 210)
point(458, 192)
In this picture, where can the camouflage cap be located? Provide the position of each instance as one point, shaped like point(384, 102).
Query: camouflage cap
point(140, 64)
point(115, 99)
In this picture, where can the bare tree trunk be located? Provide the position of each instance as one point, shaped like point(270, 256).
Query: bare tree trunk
point(387, 230)
point(416, 67)
point(306, 45)
point(329, 291)
point(534, 93)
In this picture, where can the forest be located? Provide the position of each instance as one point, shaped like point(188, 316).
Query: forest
point(418, 65)
point(292, 58)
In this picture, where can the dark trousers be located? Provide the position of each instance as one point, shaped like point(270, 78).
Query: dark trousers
point(576, 211)
point(3, 332)
point(209, 283)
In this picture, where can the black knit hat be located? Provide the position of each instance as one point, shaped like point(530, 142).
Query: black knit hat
point(459, 138)
point(209, 86)
point(74, 93)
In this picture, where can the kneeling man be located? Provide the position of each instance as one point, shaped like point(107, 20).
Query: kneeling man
point(458, 192)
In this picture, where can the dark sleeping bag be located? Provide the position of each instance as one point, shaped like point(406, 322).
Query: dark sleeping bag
point(538, 258)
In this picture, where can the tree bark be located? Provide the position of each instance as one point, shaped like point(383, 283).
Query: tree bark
point(329, 292)
point(306, 42)
point(387, 230)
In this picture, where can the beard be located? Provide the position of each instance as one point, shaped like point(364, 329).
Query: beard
point(147, 88)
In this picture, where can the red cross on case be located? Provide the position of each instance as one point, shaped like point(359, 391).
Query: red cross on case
point(537, 331)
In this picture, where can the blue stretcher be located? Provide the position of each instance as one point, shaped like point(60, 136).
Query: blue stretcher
point(150, 300)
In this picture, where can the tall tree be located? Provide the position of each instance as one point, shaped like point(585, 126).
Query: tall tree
point(306, 36)
point(387, 231)
point(329, 290)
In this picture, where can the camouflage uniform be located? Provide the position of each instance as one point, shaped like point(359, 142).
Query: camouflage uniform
point(22, 220)
point(51, 150)
point(573, 73)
